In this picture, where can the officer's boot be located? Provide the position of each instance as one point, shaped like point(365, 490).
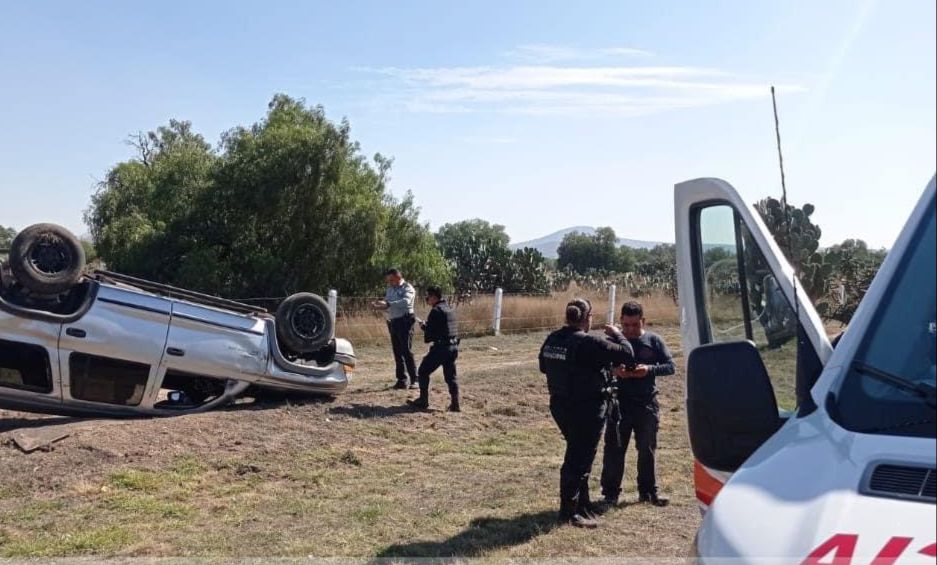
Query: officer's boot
point(421, 403)
point(586, 509)
point(454, 403)
point(569, 515)
point(654, 499)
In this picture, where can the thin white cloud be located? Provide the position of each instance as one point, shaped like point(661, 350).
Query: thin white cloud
point(488, 140)
point(510, 78)
point(617, 90)
point(541, 53)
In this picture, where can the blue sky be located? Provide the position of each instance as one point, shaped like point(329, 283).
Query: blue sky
point(536, 115)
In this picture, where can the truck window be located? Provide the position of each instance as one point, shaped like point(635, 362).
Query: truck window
point(111, 381)
point(901, 341)
point(743, 300)
point(24, 366)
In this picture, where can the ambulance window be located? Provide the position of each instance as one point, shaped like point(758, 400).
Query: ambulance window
point(743, 300)
point(901, 341)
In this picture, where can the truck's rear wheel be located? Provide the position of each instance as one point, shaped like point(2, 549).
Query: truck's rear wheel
point(304, 323)
point(46, 259)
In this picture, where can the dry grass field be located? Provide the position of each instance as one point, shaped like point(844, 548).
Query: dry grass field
point(358, 476)
point(520, 314)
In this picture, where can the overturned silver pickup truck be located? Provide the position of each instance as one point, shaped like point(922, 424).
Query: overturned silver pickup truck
point(101, 343)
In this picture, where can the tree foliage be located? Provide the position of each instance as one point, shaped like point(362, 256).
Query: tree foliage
point(658, 267)
point(477, 252)
point(481, 260)
point(854, 266)
point(284, 205)
point(141, 216)
point(527, 272)
point(836, 279)
point(598, 252)
point(6, 237)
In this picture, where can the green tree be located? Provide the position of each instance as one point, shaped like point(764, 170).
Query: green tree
point(854, 266)
point(625, 262)
point(658, 268)
point(284, 205)
point(714, 255)
point(91, 254)
point(141, 215)
point(599, 252)
point(606, 249)
point(477, 252)
point(527, 272)
point(575, 252)
point(6, 237)
point(408, 244)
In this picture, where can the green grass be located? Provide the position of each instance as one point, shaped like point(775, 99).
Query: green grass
point(134, 505)
point(369, 514)
point(489, 446)
point(187, 468)
point(130, 504)
point(33, 512)
point(781, 364)
point(99, 542)
point(137, 480)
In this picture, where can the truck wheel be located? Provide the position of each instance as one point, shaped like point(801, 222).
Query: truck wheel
point(46, 259)
point(304, 323)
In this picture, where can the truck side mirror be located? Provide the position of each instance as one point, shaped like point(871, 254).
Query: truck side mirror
point(730, 404)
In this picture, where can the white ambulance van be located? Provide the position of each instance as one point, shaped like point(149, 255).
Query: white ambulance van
point(806, 452)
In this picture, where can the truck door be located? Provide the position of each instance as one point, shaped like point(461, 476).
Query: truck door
point(29, 370)
point(735, 285)
point(110, 357)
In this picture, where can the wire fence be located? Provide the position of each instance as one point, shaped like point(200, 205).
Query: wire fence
point(498, 313)
point(485, 313)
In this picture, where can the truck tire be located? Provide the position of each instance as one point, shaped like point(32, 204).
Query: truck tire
point(46, 259)
point(304, 323)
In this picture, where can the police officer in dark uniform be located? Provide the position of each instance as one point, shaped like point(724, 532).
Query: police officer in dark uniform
point(574, 362)
point(441, 330)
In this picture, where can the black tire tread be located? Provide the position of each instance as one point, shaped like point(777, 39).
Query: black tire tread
point(40, 283)
point(288, 338)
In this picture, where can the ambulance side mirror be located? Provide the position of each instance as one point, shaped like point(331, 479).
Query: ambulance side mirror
point(730, 404)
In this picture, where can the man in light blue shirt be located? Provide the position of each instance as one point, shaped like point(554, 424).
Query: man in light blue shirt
point(398, 309)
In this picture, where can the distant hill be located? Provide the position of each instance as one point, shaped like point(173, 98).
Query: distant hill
point(548, 244)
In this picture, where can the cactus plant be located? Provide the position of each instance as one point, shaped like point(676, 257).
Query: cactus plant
point(799, 240)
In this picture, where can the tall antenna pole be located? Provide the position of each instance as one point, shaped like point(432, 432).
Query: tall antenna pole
point(805, 403)
point(790, 235)
point(777, 133)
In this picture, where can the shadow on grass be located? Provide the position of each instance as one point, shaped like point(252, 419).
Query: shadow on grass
point(65, 414)
point(12, 424)
point(267, 400)
point(482, 535)
point(369, 411)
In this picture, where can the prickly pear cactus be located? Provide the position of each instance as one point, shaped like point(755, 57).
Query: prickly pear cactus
point(800, 242)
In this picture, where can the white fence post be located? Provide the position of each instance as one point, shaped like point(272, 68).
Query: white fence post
point(499, 297)
point(611, 303)
point(333, 303)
